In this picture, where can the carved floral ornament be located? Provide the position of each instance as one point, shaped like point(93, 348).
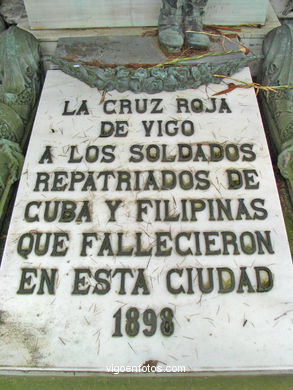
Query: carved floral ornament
point(153, 79)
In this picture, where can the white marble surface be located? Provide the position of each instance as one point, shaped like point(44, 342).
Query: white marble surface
point(235, 331)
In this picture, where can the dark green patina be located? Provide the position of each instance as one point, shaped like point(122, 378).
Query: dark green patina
point(179, 21)
point(277, 70)
point(152, 79)
point(20, 84)
point(2, 24)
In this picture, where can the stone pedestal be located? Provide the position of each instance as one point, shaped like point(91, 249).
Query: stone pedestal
point(250, 36)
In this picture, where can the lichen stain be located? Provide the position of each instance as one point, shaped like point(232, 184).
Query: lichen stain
point(20, 343)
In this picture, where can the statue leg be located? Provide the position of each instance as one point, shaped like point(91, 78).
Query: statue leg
point(193, 11)
point(170, 25)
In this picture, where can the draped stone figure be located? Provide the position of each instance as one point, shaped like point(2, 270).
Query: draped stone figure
point(20, 84)
point(277, 70)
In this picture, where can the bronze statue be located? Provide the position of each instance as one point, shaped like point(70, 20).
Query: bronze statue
point(288, 9)
point(181, 20)
point(20, 84)
point(277, 70)
point(2, 24)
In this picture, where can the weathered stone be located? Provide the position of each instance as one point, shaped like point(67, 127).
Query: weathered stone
point(119, 50)
point(12, 11)
point(125, 50)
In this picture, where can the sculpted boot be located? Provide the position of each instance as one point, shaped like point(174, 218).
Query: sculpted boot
point(170, 25)
point(193, 11)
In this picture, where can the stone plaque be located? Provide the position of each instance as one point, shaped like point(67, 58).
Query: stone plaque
point(147, 234)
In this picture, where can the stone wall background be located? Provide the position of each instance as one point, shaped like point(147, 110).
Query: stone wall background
point(13, 11)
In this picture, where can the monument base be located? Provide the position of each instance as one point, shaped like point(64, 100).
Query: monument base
point(147, 232)
point(252, 37)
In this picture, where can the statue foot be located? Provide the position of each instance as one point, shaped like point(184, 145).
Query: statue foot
point(197, 40)
point(170, 26)
point(172, 41)
point(193, 11)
